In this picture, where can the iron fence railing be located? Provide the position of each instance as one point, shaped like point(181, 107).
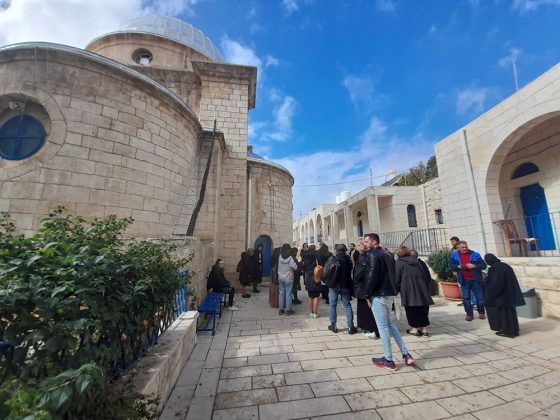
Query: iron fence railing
point(530, 236)
point(424, 241)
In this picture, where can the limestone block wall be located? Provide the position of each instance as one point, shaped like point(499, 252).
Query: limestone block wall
point(117, 144)
point(543, 274)
point(432, 190)
point(392, 208)
point(271, 212)
point(225, 97)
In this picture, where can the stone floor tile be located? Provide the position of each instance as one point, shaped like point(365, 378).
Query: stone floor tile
point(549, 379)
point(294, 392)
point(313, 347)
point(361, 372)
point(312, 355)
point(395, 381)
point(426, 392)
point(268, 381)
point(303, 408)
point(230, 354)
point(200, 351)
point(430, 353)
point(237, 362)
point(286, 367)
point(340, 387)
point(494, 355)
point(207, 383)
point(427, 410)
point(255, 344)
point(375, 399)
point(325, 363)
point(245, 398)
point(353, 351)
point(507, 364)
point(513, 410)
point(243, 371)
point(518, 390)
point(178, 403)
point(468, 403)
point(290, 341)
point(277, 350)
point(311, 376)
point(479, 369)
point(481, 383)
point(190, 373)
point(354, 415)
point(268, 359)
point(214, 358)
point(436, 363)
point(444, 374)
point(545, 398)
point(241, 413)
point(333, 345)
point(524, 372)
point(469, 359)
point(236, 384)
point(550, 413)
point(201, 408)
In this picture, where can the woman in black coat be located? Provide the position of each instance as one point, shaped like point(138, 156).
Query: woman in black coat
point(256, 268)
point(323, 254)
point(365, 319)
point(502, 295)
point(415, 292)
point(244, 269)
point(309, 259)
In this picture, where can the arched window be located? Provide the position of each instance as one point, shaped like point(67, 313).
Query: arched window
point(21, 137)
point(411, 213)
point(525, 169)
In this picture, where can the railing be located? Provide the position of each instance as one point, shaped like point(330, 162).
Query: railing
point(530, 236)
point(424, 241)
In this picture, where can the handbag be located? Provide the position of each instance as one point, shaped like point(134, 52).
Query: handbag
point(317, 274)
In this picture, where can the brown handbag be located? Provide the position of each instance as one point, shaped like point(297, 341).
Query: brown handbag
point(317, 274)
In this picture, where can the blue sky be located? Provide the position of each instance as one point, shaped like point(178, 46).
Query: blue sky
point(343, 86)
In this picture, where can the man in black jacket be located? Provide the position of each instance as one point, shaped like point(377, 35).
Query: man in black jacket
point(379, 291)
point(340, 283)
point(217, 282)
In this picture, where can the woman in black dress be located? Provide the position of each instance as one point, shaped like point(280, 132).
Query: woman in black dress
point(323, 255)
point(297, 276)
point(244, 270)
point(414, 288)
point(256, 268)
point(502, 295)
point(365, 319)
point(309, 259)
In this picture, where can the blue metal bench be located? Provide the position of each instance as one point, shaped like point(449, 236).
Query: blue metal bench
point(212, 306)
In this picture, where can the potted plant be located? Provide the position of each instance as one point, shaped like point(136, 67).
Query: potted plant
point(439, 263)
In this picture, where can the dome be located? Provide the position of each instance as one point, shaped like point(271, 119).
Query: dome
point(253, 157)
point(176, 30)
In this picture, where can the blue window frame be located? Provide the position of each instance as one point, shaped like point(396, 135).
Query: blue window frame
point(411, 213)
point(21, 137)
point(525, 169)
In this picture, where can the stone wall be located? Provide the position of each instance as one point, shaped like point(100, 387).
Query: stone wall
point(432, 191)
point(543, 274)
point(271, 212)
point(117, 145)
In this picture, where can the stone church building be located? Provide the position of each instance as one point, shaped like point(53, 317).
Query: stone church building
point(126, 127)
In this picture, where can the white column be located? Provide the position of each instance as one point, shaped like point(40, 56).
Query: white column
point(348, 223)
point(373, 213)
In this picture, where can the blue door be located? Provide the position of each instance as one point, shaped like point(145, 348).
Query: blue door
point(266, 244)
point(537, 217)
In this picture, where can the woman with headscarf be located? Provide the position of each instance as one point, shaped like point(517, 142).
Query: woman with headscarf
point(414, 288)
point(502, 295)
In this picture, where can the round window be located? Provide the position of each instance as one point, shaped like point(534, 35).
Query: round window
point(142, 57)
point(21, 137)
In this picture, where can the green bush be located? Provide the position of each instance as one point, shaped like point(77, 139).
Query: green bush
point(78, 305)
point(439, 263)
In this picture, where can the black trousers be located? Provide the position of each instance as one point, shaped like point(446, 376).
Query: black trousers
point(231, 292)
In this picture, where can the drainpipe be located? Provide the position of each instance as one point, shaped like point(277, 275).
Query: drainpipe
point(426, 215)
point(249, 207)
point(474, 195)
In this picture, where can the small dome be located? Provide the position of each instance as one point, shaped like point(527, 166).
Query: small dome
point(176, 30)
point(253, 157)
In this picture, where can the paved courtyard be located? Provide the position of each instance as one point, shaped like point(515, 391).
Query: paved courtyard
point(260, 365)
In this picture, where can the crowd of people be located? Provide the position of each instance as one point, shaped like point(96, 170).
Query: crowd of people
point(374, 276)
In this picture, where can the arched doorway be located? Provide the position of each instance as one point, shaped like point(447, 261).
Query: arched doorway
point(266, 243)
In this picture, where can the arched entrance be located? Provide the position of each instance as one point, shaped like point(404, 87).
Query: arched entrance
point(266, 243)
point(537, 216)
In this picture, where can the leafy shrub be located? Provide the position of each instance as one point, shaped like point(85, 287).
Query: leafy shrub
point(439, 262)
point(77, 306)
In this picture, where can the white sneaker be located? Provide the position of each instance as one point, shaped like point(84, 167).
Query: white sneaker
point(370, 335)
point(311, 314)
point(315, 316)
point(233, 308)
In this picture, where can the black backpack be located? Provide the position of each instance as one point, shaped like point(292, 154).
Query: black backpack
point(330, 272)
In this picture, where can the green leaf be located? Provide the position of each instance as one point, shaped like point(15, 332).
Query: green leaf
point(60, 396)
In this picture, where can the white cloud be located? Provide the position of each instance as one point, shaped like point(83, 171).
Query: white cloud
point(386, 6)
point(471, 99)
point(271, 61)
point(237, 53)
point(362, 91)
point(290, 6)
point(375, 148)
point(279, 128)
point(74, 22)
point(531, 5)
point(506, 61)
point(433, 29)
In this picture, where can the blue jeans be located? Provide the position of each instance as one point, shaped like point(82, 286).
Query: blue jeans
point(333, 301)
point(285, 294)
point(473, 299)
point(381, 309)
point(472, 289)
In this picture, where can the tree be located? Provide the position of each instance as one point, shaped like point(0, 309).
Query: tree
point(420, 174)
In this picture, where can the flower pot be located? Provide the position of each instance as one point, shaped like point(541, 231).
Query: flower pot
point(451, 291)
